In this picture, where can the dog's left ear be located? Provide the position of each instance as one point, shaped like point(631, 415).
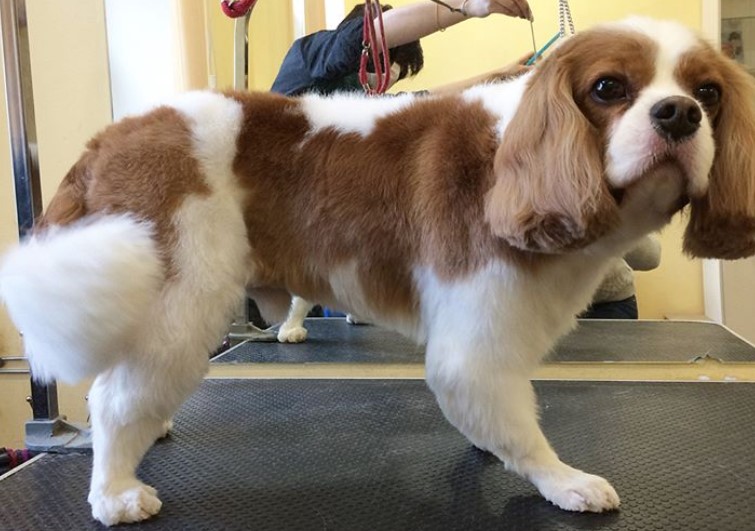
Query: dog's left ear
point(722, 223)
point(549, 194)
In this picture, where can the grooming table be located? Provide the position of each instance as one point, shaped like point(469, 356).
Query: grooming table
point(378, 455)
point(336, 341)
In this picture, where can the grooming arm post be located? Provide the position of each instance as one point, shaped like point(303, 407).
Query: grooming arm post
point(241, 328)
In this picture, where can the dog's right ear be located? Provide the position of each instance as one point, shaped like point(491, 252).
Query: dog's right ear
point(549, 193)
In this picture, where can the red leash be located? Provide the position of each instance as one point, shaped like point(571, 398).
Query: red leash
point(237, 8)
point(370, 50)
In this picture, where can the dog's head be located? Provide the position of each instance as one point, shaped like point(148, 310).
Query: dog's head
point(610, 107)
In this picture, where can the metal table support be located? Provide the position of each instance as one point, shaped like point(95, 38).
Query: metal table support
point(47, 429)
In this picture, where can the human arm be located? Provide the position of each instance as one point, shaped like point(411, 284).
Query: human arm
point(511, 70)
point(411, 22)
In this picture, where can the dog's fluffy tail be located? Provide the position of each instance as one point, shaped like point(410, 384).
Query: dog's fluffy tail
point(79, 294)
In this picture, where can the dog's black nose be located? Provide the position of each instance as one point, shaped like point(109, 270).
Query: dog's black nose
point(676, 117)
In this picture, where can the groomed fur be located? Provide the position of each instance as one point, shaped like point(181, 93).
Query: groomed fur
point(95, 281)
point(479, 224)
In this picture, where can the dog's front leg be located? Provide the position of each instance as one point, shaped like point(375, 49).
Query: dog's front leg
point(494, 406)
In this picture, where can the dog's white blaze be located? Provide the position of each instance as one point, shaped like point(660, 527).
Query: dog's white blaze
point(674, 39)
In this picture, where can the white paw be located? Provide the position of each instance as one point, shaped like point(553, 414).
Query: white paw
point(292, 335)
point(354, 319)
point(574, 490)
point(129, 505)
point(167, 427)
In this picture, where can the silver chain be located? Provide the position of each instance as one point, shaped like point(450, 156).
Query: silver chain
point(564, 18)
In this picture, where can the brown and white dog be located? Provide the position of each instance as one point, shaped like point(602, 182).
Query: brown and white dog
point(479, 224)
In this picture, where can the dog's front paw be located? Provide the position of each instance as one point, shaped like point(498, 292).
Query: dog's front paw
point(574, 490)
point(295, 334)
point(133, 504)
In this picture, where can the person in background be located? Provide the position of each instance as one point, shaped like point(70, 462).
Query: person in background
point(615, 298)
point(328, 61)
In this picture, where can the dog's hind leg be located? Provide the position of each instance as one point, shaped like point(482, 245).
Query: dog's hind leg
point(292, 330)
point(130, 402)
point(126, 413)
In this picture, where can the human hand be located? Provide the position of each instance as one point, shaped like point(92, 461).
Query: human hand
point(511, 8)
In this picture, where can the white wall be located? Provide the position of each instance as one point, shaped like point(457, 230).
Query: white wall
point(143, 50)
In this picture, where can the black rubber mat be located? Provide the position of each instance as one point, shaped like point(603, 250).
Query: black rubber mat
point(649, 341)
point(332, 340)
point(378, 455)
point(336, 341)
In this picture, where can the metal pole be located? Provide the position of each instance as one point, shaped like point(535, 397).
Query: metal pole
point(241, 329)
point(19, 99)
point(241, 52)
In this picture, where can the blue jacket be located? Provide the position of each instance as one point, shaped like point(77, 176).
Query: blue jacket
point(324, 62)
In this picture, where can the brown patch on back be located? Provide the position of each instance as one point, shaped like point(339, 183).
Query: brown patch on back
point(410, 194)
point(143, 166)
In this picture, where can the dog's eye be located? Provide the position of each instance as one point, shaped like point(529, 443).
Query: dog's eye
point(708, 94)
point(609, 90)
